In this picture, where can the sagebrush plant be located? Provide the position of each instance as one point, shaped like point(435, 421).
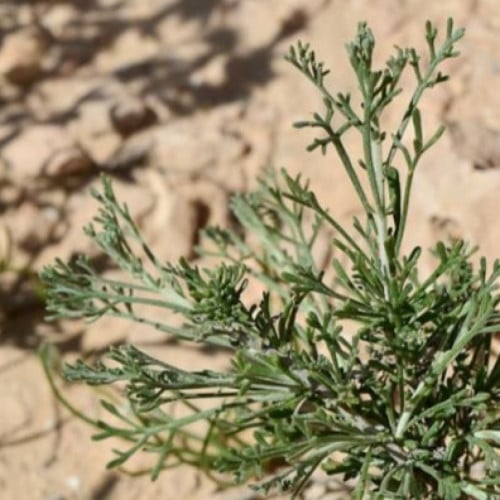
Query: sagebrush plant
point(405, 401)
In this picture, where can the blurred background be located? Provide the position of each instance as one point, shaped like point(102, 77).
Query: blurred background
point(183, 103)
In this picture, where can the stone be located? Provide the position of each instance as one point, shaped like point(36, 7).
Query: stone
point(29, 227)
point(21, 56)
point(171, 224)
point(66, 162)
point(212, 74)
point(134, 151)
point(7, 131)
point(130, 48)
point(5, 244)
point(44, 151)
point(93, 130)
point(61, 98)
point(59, 18)
point(475, 130)
point(129, 115)
point(188, 147)
point(477, 142)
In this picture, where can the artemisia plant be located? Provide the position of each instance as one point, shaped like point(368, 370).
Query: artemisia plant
point(406, 402)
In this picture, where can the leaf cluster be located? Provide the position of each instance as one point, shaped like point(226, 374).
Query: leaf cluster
point(406, 401)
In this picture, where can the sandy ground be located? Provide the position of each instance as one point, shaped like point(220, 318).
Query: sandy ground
point(184, 102)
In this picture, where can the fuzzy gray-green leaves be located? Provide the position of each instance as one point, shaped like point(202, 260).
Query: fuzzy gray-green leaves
point(355, 365)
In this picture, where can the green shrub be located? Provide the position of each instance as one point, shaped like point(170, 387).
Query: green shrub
point(407, 404)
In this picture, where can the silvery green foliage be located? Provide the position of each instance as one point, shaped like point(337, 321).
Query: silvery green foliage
point(407, 405)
